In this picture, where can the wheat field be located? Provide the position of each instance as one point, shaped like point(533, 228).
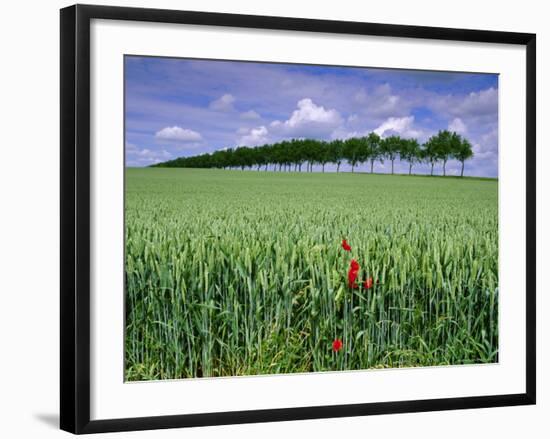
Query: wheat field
point(243, 272)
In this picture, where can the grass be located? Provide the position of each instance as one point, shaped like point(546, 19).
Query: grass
point(236, 273)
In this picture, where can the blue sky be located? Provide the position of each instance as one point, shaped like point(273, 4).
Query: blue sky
point(180, 107)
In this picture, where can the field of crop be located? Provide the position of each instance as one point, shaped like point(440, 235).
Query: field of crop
point(243, 272)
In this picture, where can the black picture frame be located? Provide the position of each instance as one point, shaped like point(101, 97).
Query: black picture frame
point(75, 217)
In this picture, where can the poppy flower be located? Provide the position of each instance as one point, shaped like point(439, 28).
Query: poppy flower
point(353, 272)
point(345, 245)
point(337, 345)
point(368, 283)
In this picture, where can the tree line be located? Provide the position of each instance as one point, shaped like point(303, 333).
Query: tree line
point(296, 153)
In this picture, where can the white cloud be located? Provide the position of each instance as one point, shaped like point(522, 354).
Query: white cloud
point(458, 126)
point(343, 134)
point(487, 147)
point(254, 137)
point(402, 126)
point(479, 103)
point(309, 120)
point(143, 157)
point(380, 102)
point(224, 103)
point(250, 115)
point(178, 134)
point(482, 153)
point(491, 138)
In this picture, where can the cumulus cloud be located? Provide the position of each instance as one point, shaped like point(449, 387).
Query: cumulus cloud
point(224, 103)
point(482, 153)
point(402, 126)
point(380, 102)
point(479, 103)
point(254, 136)
point(308, 120)
point(144, 156)
point(458, 126)
point(487, 146)
point(475, 105)
point(491, 138)
point(250, 115)
point(343, 134)
point(178, 134)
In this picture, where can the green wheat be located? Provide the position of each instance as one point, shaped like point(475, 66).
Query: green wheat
point(237, 273)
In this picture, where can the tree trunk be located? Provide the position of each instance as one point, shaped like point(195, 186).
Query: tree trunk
point(444, 164)
point(242, 167)
point(352, 167)
point(432, 173)
point(265, 167)
point(392, 166)
point(280, 166)
point(323, 167)
point(300, 168)
point(410, 168)
point(462, 170)
point(338, 167)
point(371, 166)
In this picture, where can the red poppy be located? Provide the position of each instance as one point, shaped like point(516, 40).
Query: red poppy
point(337, 345)
point(353, 273)
point(345, 245)
point(368, 283)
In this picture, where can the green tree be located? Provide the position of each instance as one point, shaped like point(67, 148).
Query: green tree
point(444, 142)
point(314, 152)
point(336, 153)
point(352, 151)
point(462, 152)
point(373, 146)
point(390, 147)
point(410, 152)
point(243, 157)
point(323, 153)
point(430, 153)
point(440, 147)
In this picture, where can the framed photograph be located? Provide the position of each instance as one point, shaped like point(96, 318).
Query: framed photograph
point(268, 218)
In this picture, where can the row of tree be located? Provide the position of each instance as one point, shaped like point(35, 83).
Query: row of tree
point(441, 147)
